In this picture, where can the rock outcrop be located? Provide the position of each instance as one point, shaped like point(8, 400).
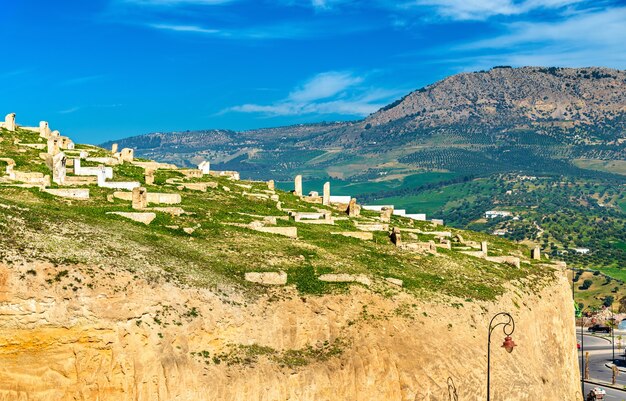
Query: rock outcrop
point(130, 339)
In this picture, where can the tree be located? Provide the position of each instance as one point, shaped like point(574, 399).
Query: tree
point(608, 300)
point(586, 284)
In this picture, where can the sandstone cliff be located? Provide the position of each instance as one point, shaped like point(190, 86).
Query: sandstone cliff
point(160, 341)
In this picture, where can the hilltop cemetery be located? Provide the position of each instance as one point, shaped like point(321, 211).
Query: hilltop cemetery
point(121, 187)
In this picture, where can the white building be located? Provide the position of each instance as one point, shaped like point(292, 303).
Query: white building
point(492, 214)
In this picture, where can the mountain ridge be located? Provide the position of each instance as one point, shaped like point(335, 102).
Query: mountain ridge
point(549, 113)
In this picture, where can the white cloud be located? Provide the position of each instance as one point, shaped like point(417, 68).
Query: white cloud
point(184, 28)
point(70, 110)
point(176, 2)
point(333, 92)
point(324, 85)
point(583, 39)
point(483, 9)
point(597, 29)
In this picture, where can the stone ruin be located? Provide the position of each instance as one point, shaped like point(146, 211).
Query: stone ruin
point(326, 194)
point(91, 171)
point(267, 278)
point(44, 129)
point(385, 214)
point(140, 198)
point(114, 148)
point(362, 235)
point(205, 167)
point(9, 122)
point(145, 218)
point(535, 253)
point(77, 193)
point(53, 146)
point(149, 176)
point(324, 217)
point(297, 185)
point(354, 210)
point(57, 164)
point(127, 155)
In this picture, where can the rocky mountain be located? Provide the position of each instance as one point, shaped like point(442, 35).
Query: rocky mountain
point(532, 118)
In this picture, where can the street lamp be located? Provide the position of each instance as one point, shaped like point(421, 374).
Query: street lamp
point(508, 327)
point(612, 333)
point(583, 366)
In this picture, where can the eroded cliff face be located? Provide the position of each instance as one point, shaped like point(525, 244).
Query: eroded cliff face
point(127, 339)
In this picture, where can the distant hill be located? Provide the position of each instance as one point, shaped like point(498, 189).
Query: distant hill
point(530, 119)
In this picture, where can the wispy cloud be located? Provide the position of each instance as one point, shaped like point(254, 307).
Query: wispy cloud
point(324, 85)
point(333, 92)
point(70, 110)
point(74, 109)
point(80, 80)
point(176, 2)
point(484, 9)
point(281, 30)
point(184, 28)
point(14, 73)
point(581, 39)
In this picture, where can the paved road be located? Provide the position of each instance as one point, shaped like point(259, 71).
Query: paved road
point(611, 395)
point(600, 353)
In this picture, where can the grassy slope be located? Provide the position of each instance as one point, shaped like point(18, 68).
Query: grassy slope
point(41, 227)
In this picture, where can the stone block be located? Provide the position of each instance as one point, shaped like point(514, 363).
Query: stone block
point(139, 198)
point(291, 232)
point(145, 217)
point(346, 278)
point(297, 185)
point(75, 193)
point(394, 281)
point(267, 278)
point(362, 235)
point(326, 194)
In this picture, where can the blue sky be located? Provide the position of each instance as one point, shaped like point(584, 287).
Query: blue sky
point(105, 69)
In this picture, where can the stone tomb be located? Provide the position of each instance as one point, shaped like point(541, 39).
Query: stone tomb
point(152, 197)
point(312, 218)
point(57, 164)
point(326, 194)
point(354, 210)
point(149, 176)
point(77, 193)
point(139, 198)
point(127, 155)
point(297, 185)
point(346, 278)
point(145, 218)
point(9, 122)
point(362, 235)
point(267, 278)
point(535, 253)
point(385, 214)
point(205, 167)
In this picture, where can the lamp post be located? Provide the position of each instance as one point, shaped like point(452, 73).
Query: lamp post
point(613, 333)
point(583, 366)
point(508, 327)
